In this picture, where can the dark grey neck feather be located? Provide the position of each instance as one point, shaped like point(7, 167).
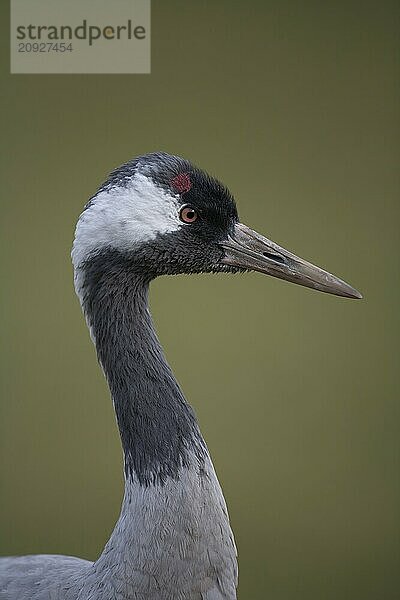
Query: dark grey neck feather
point(158, 428)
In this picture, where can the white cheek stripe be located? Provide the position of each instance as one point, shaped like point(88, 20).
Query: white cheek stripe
point(120, 217)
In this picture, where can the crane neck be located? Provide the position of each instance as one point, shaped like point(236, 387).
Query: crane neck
point(158, 428)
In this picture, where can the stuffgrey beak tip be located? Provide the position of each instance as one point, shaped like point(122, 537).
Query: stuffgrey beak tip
point(358, 295)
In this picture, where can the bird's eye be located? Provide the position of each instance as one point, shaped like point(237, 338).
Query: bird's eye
point(187, 214)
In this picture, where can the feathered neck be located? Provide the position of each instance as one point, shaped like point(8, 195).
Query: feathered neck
point(158, 428)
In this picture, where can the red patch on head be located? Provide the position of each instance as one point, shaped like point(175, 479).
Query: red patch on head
point(181, 183)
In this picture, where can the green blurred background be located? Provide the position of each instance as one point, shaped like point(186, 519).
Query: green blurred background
point(295, 107)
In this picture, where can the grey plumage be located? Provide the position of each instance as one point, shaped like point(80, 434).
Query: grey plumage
point(156, 215)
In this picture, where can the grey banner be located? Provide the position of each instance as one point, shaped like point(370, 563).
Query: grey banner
point(80, 36)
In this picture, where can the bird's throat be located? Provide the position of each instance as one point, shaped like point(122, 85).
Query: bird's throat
point(159, 431)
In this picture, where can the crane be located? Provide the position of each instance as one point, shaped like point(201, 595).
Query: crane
point(156, 215)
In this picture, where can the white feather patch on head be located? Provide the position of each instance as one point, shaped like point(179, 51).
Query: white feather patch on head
point(122, 216)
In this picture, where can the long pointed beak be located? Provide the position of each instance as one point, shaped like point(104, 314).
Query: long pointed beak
point(247, 249)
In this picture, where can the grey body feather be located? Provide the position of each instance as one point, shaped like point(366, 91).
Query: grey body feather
point(171, 542)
